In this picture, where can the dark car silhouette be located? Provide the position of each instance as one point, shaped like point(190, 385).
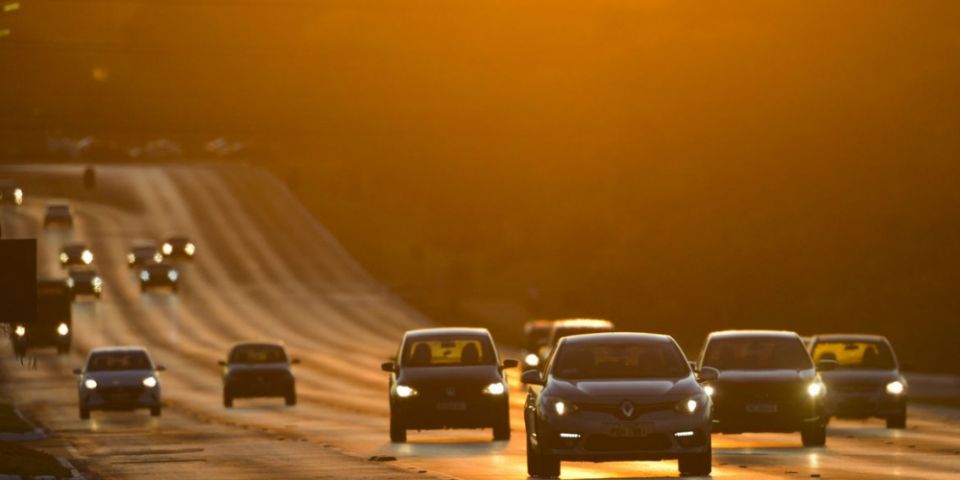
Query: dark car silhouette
point(257, 369)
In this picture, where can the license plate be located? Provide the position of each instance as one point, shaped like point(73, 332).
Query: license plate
point(451, 406)
point(631, 429)
point(762, 408)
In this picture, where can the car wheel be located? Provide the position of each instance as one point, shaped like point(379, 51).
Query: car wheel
point(84, 413)
point(697, 464)
point(814, 435)
point(155, 411)
point(501, 429)
point(291, 398)
point(533, 459)
point(227, 400)
point(898, 421)
point(398, 433)
point(549, 464)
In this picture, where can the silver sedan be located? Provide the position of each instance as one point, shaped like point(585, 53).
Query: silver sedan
point(119, 378)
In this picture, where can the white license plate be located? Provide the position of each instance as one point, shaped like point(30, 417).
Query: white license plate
point(631, 429)
point(451, 406)
point(762, 408)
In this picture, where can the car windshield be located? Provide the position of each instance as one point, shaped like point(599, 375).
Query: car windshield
point(595, 360)
point(258, 354)
point(865, 355)
point(445, 351)
point(537, 338)
point(115, 361)
point(757, 353)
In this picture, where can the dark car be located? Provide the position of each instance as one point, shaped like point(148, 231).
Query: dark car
point(867, 381)
point(536, 335)
point(84, 282)
point(159, 275)
point(617, 397)
point(10, 193)
point(119, 378)
point(143, 253)
point(178, 248)
point(75, 254)
point(258, 370)
point(573, 326)
point(767, 383)
point(58, 215)
point(448, 378)
point(54, 321)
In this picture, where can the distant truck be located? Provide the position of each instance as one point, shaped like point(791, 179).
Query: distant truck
point(53, 326)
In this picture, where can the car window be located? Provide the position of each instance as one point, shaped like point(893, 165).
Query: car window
point(258, 354)
point(448, 351)
point(595, 360)
point(862, 355)
point(757, 353)
point(114, 361)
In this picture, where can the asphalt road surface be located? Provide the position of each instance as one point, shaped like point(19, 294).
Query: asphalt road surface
point(266, 270)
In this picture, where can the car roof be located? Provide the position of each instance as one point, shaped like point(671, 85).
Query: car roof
point(849, 337)
point(754, 334)
point(423, 332)
point(582, 323)
point(618, 337)
point(537, 325)
point(178, 238)
point(119, 349)
point(256, 344)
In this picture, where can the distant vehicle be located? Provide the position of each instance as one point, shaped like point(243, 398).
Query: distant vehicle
point(84, 282)
point(143, 253)
point(448, 378)
point(866, 382)
point(767, 383)
point(536, 335)
point(75, 254)
point(10, 193)
point(58, 215)
point(574, 326)
point(54, 322)
point(617, 397)
point(119, 378)
point(258, 370)
point(178, 248)
point(159, 275)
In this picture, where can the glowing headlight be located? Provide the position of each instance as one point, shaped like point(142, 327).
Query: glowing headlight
point(97, 282)
point(495, 389)
point(190, 248)
point(90, 383)
point(815, 389)
point(532, 360)
point(20, 330)
point(63, 329)
point(131, 258)
point(158, 257)
point(70, 282)
point(691, 405)
point(895, 388)
point(172, 275)
point(145, 276)
point(560, 407)
point(64, 258)
point(87, 257)
point(709, 390)
point(150, 382)
point(167, 249)
point(404, 391)
point(18, 196)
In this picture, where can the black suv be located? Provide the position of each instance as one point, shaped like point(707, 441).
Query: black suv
point(258, 370)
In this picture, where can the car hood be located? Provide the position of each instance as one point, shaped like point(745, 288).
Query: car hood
point(859, 376)
point(423, 376)
point(258, 367)
point(118, 378)
point(766, 376)
point(620, 388)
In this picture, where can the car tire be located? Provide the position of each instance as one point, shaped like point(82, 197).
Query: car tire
point(814, 436)
point(227, 400)
point(398, 433)
point(533, 459)
point(155, 411)
point(697, 464)
point(501, 428)
point(290, 399)
point(84, 413)
point(898, 421)
point(549, 464)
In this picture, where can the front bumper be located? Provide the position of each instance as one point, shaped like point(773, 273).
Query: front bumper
point(737, 415)
point(264, 387)
point(124, 397)
point(864, 405)
point(432, 413)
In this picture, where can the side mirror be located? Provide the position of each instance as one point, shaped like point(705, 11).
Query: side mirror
point(388, 367)
point(77, 371)
point(827, 365)
point(222, 363)
point(510, 364)
point(708, 374)
point(531, 377)
point(295, 361)
point(161, 368)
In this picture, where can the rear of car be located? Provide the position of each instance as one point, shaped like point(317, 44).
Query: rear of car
point(54, 321)
point(10, 193)
point(58, 215)
point(143, 254)
point(866, 382)
point(119, 378)
point(576, 326)
point(159, 275)
point(178, 248)
point(84, 282)
point(258, 370)
point(75, 255)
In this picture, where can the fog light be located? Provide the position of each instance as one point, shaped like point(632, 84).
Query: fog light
point(570, 436)
point(689, 438)
point(687, 433)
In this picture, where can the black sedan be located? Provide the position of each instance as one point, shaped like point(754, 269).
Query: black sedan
point(84, 282)
point(10, 193)
point(767, 383)
point(448, 378)
point(75, 254)
point(867, 381)
point(258, 370)
point(159, 275)
point(143, 253)
point(178, 248)
point(58, 215)
point(617, 397)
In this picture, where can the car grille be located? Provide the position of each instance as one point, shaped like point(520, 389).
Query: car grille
point(858, 387)
point(614, 409)
point(120, 393)
point(606, 443)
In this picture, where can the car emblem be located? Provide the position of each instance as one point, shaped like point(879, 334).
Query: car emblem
point(116, 382)
point(451, 391)
point(627, 408)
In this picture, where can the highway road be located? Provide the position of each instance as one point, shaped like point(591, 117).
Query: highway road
point(265, 269)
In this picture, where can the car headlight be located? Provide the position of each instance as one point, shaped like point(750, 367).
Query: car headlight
point(404, 391)
point(70, 282)
point(64, 258)
point(562, 408)
point(495, 389)
point(150, 382)
point(63, 329)
point(87, 257)
point(895, 387)
point(173, 275)
point(97, 282)
point(190, 248)
point(18, 196)
point(158, 257)
point(167, 249)
point(709, 390)
point(145, 276)
point(131, 258)
point(90, 383)
point(531, 360)
point(20, 330)
point(815, 389)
